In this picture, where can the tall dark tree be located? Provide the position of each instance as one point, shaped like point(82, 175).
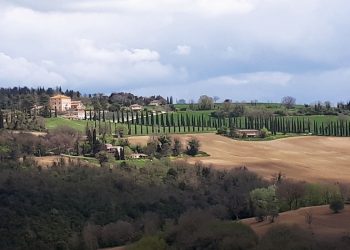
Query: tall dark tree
point(1, 120)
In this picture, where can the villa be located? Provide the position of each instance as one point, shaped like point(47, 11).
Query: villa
point(155, 103)
point(248, 132)
point(136, 107)
point(64, 105)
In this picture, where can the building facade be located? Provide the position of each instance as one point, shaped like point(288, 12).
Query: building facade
point(61, 103)
point(64, 105)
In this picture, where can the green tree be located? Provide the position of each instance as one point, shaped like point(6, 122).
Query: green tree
point(265, 203)
point(102, 157)
point(193, 146)
point(177, 146)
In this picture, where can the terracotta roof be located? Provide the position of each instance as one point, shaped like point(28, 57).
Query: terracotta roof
point(60, 97)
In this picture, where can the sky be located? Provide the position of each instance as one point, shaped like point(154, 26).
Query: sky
point(237, 49)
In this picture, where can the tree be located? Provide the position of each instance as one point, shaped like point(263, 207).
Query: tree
point(288, 102)
point(177, 146)
point(337, 204)
point(205, 103)
point(265, 203)
point(264, 132)
point(193, 146)
point(1, 120)
point(216, 99)
point(102, 157)
point(291, 192)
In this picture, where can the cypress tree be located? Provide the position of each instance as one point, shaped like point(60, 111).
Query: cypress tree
point(122, 155)
point(142, 118)
point(103, 116)
point(152, 122)
point(113, 117)
point(85, 118)
point(1, 120)
point(122, 114)
point(118, 117)
point(137, 118)
point(129, 128)
point(187, 122)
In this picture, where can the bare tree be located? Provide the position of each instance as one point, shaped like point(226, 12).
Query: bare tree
point(288, 101)
point(291, 192)
point(205, 103)
point(309, 217)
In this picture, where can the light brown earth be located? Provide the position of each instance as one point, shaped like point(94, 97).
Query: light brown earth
point(325, 224)
point(310, 158)
point(48, 161)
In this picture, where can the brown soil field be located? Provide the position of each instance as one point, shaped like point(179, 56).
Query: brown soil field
point(310, 158)
point(325, 224)
point(48, 161)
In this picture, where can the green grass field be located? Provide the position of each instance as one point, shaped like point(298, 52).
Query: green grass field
point(53, 123)
point(80, 125)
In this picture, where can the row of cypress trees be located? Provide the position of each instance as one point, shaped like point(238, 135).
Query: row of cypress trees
point(147, 122)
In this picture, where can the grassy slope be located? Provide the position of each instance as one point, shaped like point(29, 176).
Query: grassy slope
point(80, 125)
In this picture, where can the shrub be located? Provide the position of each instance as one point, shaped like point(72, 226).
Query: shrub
point(222, 130)
point(193, 146)
point(264, 132)
point(337, 204)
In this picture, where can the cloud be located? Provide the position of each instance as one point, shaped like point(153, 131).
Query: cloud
point(203, 7)
point(88, 51)
point(14, 71)
point(257, 48)
point(262, 78)
point(183, 50)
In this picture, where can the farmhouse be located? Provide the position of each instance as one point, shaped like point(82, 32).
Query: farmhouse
point(136, 107)
point(155, 103)
point(61, 103)
point(111, 149)
point(248, 132)
point(64, 104)
point(138, 156)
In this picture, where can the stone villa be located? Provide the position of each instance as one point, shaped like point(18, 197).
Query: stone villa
point(65, 106)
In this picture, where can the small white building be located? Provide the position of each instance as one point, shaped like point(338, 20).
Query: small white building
point(138, 156)
point(111, 149)
point(155, 103)
point(136, 107)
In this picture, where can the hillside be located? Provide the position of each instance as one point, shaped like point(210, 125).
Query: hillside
point(325, 224)
point(312, 159)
